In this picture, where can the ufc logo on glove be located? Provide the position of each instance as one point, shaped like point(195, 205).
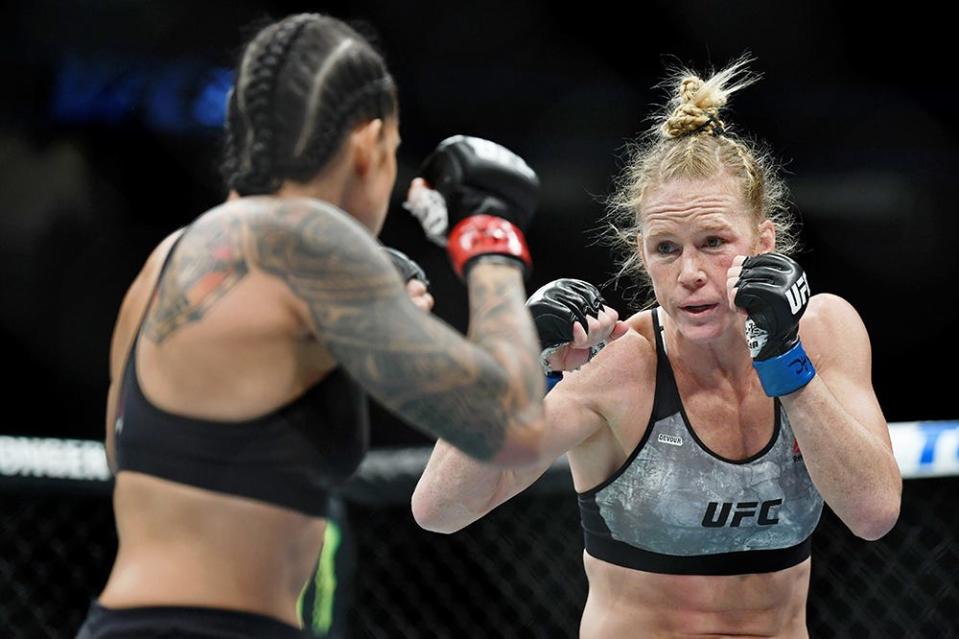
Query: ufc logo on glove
point(798, 295)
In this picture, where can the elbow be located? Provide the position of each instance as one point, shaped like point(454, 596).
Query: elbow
point(878, 520)
point(429, 516)
point(877, 528)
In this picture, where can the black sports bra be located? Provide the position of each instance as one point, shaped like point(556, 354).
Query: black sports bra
point(290, 457)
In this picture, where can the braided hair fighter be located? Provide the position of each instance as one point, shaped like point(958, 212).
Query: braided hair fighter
point(243, 351)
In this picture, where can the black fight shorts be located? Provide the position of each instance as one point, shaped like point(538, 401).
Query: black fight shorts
point(182, 622)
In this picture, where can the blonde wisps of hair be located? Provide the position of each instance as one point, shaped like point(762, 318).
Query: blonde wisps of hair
point(690, 140)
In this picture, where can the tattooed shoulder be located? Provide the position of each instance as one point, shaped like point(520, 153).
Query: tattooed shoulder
point(206, 263)
point(302, 240)
point(414, 364)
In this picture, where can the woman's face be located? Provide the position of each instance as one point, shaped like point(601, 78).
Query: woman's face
point(692, 230)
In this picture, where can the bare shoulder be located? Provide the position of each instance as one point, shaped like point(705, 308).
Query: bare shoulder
point(155, 261)
point(622, 365)
point(833, 331)
point(136, 300)
point(632, 355)
point(300, 233)
point(151, 267)
point(642, 323)
point(326, 258)
point(825, 306)
point(134, 303)
point(304, 243)
point(207, 264)
point(830, 314)
point(349, 294)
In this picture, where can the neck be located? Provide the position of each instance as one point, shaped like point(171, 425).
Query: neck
point(326, 190)
point(331, 184)
point(723, 360)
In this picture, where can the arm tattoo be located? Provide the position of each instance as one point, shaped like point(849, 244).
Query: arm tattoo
point(208, 262)
point(500, 323)
point(412, 363)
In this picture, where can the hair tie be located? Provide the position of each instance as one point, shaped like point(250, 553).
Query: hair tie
point(718, 128)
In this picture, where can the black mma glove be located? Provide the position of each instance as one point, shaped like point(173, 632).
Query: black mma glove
point(408, 269)
point(488, 198)
point(772, 289)
point(556, 306)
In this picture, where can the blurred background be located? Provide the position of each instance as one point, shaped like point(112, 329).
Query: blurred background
point(112, 113)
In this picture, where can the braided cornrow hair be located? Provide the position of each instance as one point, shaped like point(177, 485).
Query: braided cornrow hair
point(301, 84)
point(690, 140)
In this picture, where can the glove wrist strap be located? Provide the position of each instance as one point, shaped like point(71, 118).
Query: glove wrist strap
point(552, 379)
point(480, 235)
point(786, 373)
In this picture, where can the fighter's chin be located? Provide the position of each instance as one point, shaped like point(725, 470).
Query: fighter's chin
point(701, 323)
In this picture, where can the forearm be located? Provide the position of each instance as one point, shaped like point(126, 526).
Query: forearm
point(851, 466)
point(454, 490)
point(501, 325)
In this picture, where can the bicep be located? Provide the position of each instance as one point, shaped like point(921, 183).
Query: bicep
point(843, 360)
point(571, 418)
point(569, 421)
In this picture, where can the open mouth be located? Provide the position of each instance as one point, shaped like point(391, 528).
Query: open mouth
point(699, 309)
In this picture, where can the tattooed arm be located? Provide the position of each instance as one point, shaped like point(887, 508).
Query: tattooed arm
point(483, 395)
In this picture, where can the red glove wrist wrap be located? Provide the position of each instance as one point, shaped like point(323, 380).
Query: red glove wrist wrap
point(486, 235)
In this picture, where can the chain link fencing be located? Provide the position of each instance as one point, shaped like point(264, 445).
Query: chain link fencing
point(516, 573)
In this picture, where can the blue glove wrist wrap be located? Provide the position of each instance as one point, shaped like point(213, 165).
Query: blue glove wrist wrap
point(552, 379)
point(785, 373)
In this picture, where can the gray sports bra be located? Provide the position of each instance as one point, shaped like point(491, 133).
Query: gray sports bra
point(676, 507)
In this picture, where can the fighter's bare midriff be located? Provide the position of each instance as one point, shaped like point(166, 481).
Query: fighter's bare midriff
point(184, 546)
point(625, 603)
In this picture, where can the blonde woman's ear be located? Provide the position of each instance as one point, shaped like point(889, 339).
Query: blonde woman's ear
point(766, 238)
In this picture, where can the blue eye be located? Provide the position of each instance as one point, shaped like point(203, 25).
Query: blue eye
point(664, 248)
point(714, 242)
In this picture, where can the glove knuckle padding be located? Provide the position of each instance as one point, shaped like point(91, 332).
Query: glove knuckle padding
point(477, 176)
point(488, 196)
point(590, 294)
point(760, 290)
point(557, 305)
point(763, 291)
point(554, 327)
point(776, 260)
point(762, 274)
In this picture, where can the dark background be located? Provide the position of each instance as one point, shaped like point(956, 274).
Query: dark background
point(109, 141)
